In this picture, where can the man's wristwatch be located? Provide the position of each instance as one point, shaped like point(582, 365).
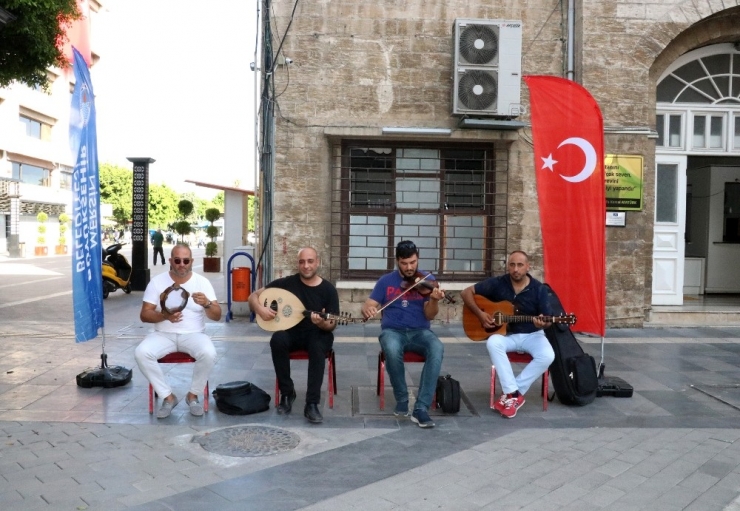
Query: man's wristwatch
point(208, 305)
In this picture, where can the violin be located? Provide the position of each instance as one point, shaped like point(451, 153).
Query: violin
point(424, 287)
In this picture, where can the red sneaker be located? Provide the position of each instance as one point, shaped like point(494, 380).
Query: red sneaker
point(500, 404)
point(511, 405)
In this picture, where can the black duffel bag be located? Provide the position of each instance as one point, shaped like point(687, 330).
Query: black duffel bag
point(241, 398)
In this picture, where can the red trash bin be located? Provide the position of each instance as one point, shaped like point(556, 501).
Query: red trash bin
point(241, 284)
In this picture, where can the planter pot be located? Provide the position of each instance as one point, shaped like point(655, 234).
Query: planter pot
point(41, 251)
point(212, 264)
point(60, 249)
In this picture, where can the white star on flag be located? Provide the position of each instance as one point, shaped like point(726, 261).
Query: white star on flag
point(548, 162)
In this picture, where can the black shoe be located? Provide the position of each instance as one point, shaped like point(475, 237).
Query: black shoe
point(312, 413)
point(286, 403)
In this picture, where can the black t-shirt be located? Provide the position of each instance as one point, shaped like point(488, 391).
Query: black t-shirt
point(323, 297)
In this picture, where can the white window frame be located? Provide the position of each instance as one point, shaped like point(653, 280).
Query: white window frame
point(708, 115)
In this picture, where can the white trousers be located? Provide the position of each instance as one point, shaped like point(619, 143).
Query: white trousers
point(158, 344)
point(535, 344)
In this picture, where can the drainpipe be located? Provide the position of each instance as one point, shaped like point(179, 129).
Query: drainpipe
point(571, 38)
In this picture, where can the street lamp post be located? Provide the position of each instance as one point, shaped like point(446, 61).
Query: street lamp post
point(14, 246)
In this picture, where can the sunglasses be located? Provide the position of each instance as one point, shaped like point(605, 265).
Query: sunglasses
point(184, 261)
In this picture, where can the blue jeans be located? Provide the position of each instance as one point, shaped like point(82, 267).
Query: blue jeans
point(396, 342)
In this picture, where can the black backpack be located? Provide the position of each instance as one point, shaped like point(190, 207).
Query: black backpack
point(573, 371)
point(241, 398)
point(448, 394)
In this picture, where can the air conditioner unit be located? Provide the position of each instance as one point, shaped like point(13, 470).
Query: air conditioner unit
point(488, 68)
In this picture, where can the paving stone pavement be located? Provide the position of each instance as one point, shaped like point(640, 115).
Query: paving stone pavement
point(673, 445)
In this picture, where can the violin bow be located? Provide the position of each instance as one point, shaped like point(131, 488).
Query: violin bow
point(418, 281)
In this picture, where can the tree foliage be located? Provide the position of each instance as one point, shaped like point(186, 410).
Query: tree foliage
point(165, 204)
point(34, 40)
point(252, 205)
point(116, 188)
point(218, 201)
point(162, 205)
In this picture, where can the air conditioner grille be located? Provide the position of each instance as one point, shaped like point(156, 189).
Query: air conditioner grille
point(478, 44)
point(477, 90)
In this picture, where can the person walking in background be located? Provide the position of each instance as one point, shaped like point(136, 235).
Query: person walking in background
point(157, 240)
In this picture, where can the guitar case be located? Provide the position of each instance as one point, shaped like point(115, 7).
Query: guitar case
point(573, 371)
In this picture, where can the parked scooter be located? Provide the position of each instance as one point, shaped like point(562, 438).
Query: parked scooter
point(116, 270)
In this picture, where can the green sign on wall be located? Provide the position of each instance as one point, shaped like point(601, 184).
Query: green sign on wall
point(623, 182)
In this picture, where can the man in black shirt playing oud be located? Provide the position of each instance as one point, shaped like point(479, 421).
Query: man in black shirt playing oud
point(313, 333)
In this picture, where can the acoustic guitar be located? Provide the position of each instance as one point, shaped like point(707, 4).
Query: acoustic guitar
point(290, 311)
point(503, 313)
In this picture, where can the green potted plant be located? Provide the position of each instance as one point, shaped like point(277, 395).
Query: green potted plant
point(41, 249)
point(211, 262)
point(61, 247)
point(185, 207)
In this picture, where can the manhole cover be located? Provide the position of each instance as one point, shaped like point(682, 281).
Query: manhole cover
point(248, 441)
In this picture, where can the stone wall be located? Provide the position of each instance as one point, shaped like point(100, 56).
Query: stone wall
point(358, 66)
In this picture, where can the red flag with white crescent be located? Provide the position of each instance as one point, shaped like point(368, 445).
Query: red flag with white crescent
point(568, 133)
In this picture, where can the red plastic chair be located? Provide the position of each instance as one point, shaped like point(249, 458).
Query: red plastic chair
point(516, 357)
point(407, 357)
point(332, 369)
point(177, 357)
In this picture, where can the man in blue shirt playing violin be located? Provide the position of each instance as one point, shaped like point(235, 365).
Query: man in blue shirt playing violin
point(408, 304)
point(530, 298)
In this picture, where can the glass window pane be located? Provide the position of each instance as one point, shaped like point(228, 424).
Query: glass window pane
point(368, 242)
point(464, 179)
point(691, 95)
point(666, 187)
point(717, 64)
point(707, 87)
point(417, 160)
point(372, 177)
point(715, 132)
point(700, 126)
point(464, 250)
point(660, 128)
point(731, 226)
point(736, 144)
point(668, 89)
point(690, 72)
point(417, 193)
point(674, 131)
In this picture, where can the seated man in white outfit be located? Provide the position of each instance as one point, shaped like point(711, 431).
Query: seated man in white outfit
point(177, 329)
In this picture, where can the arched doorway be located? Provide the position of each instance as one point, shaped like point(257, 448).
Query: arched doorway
point(697, 215)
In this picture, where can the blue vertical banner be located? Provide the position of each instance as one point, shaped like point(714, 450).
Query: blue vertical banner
point(87, 277)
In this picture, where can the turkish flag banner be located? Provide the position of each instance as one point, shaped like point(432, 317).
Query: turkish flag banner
point(568, 133)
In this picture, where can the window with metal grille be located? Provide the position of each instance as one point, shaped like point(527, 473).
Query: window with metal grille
point(449, 200)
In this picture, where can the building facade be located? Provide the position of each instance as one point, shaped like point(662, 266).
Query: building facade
point(36, 163)
point(370, 135)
